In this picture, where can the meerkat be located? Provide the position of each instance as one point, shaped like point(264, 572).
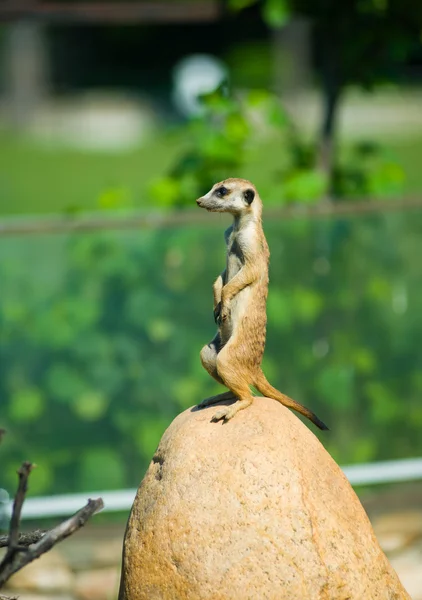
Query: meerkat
point(234, 356)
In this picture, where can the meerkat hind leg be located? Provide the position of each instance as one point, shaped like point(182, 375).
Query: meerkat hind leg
point(236, 379)
point(208, 357)
point(216, 399)
point(228, 412)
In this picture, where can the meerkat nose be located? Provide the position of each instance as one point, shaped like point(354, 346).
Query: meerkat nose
point(198, 201)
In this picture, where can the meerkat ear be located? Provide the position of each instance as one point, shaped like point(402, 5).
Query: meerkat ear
point(249, 195)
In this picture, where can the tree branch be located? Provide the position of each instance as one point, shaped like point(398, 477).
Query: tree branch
point(24, 548)
point(24, 539)
point(23, 473)
point(51, 538)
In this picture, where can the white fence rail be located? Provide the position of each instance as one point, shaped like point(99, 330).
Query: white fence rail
point(121, 500)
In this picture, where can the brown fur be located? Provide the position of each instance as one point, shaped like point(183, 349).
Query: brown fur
point(235, 354)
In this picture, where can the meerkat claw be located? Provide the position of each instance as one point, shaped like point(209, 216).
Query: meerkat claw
point(223, 413)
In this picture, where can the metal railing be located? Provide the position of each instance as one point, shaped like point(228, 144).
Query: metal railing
point(393, 471)
point(137, 219)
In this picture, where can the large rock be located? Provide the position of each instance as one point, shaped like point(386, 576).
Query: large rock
point(252, 509)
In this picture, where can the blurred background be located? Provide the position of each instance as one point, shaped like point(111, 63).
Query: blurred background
point(114, 118)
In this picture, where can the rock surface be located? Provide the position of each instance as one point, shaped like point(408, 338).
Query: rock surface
point(253, 509)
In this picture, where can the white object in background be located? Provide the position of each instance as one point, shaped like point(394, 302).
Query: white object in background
point(195, 75)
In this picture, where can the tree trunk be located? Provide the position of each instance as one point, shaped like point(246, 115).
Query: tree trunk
point(292, 58)
point(25, 71)
point(326, 150)
point(329, 50)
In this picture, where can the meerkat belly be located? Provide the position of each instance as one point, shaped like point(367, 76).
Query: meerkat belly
point(234, 264)
point(240, 308)
point(240, 305)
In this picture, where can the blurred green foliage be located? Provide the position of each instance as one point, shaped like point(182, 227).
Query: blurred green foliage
point(220, 140)
point(63, 180)
point(100, 340)
point(361, 41)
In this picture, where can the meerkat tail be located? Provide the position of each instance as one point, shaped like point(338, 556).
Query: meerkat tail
point(266, 389)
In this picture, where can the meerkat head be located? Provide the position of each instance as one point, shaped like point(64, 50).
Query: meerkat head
point(235, 196)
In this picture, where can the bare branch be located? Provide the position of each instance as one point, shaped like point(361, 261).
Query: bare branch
point(13, 545)
point(50, 539)
point(23, 473)
point(24, 539)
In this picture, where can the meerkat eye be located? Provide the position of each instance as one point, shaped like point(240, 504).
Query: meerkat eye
point(221, 191)
point(249, 195)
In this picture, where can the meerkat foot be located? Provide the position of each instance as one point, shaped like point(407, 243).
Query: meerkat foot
point(228, 412)
point(215, 399)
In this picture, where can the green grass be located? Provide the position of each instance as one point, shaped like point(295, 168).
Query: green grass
point(408, 154)
point(36, 179)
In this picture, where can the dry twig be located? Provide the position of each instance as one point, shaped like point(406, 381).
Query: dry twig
point(24, 548)
point(24, 539)
point(23, 556)
point(13, 547)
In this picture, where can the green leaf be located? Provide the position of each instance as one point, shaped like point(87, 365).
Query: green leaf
point(149, 433)
point(384, 405)
point(256, 98)
point(27, 405)
point(305, 185)
point(159, 330)
point(187, 392)
point(165, 191)
point(42, 478)
point(336, 384)
point(276, 12)
point(101, 468)
point(365, 449)
point(236, 5)
point(307, 304)
point(279, 309)
point(90, 406)
point(387, 179)
point(364, 360)
point(237, 128)
point(65, 382)
point(113, 198)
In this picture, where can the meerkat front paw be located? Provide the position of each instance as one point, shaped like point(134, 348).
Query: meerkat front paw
point(224, 313)
point(221, 313)
point(217, 313)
